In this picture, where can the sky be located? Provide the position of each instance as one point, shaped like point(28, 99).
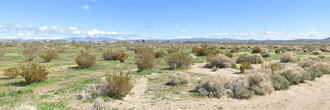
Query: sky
point(165, 19)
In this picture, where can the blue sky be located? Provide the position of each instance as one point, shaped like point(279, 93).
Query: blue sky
point(165, 19)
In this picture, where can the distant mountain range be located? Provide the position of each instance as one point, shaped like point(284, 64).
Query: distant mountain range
point(176, 40)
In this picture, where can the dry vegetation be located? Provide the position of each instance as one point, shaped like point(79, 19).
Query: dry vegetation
point(154, 75)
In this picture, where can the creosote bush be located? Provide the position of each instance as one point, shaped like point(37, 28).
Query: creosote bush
point(141, 50)
point(12, 72)
point(179, 78)
point(172, 50)
point(119, 84)
point(33, 72)
point(278, 51)
point(179, 59)
point(215, 83)
point(229, 55)
point(48, 54)
point(279, 82)
point(205, 51)
point(289, 57)
point(274, 67)
point(245, 66)
point(85, 60)
point(252, 58)
point(266, 55)
point(2, 53)
point(145, 61)
point(121, 55)
point(220, 61)
point(257, 50)
point(108, 54)
point(234, 49)
point(159, 54)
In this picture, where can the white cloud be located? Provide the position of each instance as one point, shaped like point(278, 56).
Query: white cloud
point(85, 7)
point(271, 35)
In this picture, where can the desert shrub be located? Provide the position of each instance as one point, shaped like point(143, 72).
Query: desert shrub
point(307, 63)
point(30, 51)
point(274, 67)
point(220, 61)
point(322, 66)
point(315, 74)
point(141, 50)
point(324, 48)
point(252, 58)
point(108, 54)
point(121, 55)
point(317, 52)
point(260, 84)
point(33, 72)
point(119, 84)
point(2, 53)
point(229, 55)
point(48, 54)
point(99, 104)
point(257, 50)
point(25, 107)
point(289, 57)
point(92, 91)
point(279, 82)
point(85, 60)
point(61, 50)
point(305, 76)
point(278, 51)
point(88, 46)
point(245, 66)
point(266, 55)
point(214, 52)
point(201, 51)
point(159, 54)
point(293, 75)
point(145, 61)
point(12, 72)
point(172, 50)
point(179, 78)
point(240, 89)
point(215, 83)
point(234, 49)
point(179, 59)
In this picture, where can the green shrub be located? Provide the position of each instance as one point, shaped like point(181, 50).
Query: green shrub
point(141, 50)
point(260, 84)
point(229, 55)
point(220, 61)
point(179, 59)
point(179, 78)
point(108, 54)
point(315, 74)
point(61, 50)
point(252, 58)
point(48, 54)
point(293, 75)
point(215, 83)
point(12, 72)
point(119, 84)
point(172, 50)
point(245, 66)
point(257, 50)
point(279, 82)
point(160, 54)
point(33, 72)
point(201, 51)
point(289, 57)
point(85, 60)
point(2, 53)
point(121, 55)
point(145, 61)
point(240, 89)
